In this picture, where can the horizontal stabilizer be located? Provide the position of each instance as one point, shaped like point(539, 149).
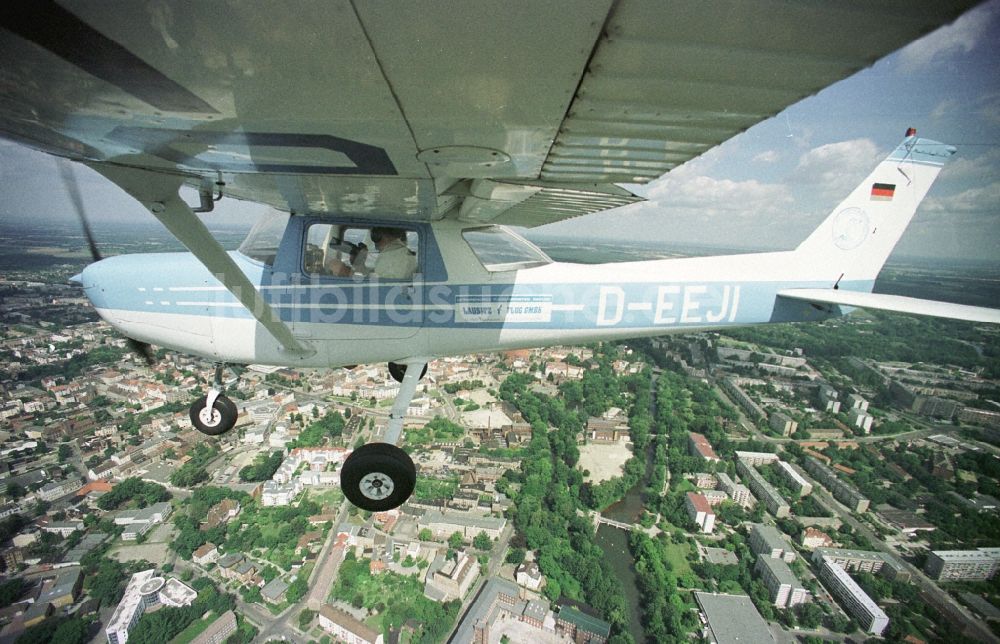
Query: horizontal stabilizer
point(896, 303)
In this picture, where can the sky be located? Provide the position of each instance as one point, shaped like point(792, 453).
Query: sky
point(766, 188)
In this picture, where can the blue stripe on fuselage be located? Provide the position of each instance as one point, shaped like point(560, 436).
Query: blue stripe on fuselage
point(124, 283)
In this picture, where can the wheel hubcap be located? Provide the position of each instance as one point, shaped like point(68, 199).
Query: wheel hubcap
point(210, 416)
point(376, 486)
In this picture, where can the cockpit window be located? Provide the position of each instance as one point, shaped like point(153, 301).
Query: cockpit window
point(500, 249)
point(264, 238)
point(340, 250)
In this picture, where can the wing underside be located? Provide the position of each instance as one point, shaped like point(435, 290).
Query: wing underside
point(515, 113)
point(896, 303)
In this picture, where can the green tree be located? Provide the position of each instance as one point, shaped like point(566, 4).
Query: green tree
point(425, 535)
point(65, 451)
point(10, 591)
point(72, 631)
point(305, 619)
point(515, 556)
point(482, 541)
point(15, 490)
point(296, 590)
point(455, 540)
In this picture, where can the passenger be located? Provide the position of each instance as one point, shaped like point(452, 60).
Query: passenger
point(395, 260)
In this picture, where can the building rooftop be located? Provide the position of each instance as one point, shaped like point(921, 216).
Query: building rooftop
point(536, 610)
point(699, 503)
point(583, 621)
point(122, 617)
point(772, 537)
point(274, 589)
point(482, 606)
point(961, 556)
point(857, 593)
point(492, 523)
point(349, 623)
point(230, 560)
point(733, 619)
point(176, 593)
point(780, 570)
point(204, 549)
point(721, 556)
point(62, 585)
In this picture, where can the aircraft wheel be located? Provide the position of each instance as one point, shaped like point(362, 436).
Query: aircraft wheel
point(397, 371)
point(217, 420)
point(378, 477)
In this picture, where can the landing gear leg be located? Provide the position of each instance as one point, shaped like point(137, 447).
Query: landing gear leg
point(380, 476)
point(214, 413)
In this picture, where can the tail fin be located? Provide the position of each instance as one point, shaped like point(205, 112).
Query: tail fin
point(852, 244)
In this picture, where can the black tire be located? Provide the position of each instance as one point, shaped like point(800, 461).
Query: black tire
point(378, 477)
point(397, 371)
point(223, 416)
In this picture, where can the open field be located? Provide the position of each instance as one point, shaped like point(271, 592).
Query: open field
point(604, 461)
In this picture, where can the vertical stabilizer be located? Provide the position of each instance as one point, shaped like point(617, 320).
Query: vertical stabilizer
point(852, 244)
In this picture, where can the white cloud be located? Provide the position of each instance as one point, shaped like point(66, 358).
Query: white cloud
point(708, 193)
point(991, 107)
point(945, 109)
point(976, 169)
point(960, 37)
point(980, 200)
point(768, 156)
point(836, 168)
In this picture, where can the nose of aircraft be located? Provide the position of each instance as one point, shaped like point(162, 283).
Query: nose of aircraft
point(94, 279)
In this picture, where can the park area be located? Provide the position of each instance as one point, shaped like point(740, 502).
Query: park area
point(391, 599)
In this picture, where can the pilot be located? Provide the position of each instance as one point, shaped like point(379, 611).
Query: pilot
point(395, 260)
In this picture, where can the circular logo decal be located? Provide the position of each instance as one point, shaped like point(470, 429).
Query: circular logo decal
point(850, 228)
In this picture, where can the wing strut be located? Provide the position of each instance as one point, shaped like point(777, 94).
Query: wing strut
point(159, 193)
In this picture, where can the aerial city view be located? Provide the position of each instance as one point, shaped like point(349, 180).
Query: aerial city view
point(582, 322)
point(818, 482)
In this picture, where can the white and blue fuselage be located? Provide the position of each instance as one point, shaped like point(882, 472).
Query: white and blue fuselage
point(456, 305)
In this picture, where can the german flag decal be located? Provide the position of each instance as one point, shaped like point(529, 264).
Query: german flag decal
point(883, 191)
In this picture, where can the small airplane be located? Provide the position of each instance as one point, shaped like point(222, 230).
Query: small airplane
point(400, 146)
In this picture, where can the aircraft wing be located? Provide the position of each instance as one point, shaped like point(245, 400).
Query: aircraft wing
point(897, 303)
point(520, 113)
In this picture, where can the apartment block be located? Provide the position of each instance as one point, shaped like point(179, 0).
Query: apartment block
point(700, 511)
point(828, 397)
point(862, 561)
point(795, 478)
point(861, 419)
point(854, 401)
point(841, 490)
point(981, 563)
point(699, 446)
point(737, 492)
point(768, 541)
point(784, 588)
point(756, 459)
point(763, 490)
point(741, 398)
point(782, 424)
point(854, 600)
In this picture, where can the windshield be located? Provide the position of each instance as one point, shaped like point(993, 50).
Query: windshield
point(500, 249)
point(264, 238)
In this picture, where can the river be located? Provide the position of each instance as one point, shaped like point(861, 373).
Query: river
point(614, 542)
